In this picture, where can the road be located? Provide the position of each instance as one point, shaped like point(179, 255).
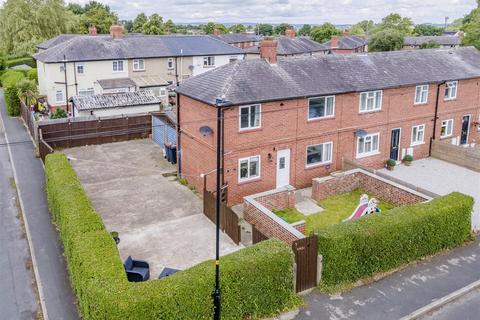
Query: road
point(55, 293)
point(465, 308)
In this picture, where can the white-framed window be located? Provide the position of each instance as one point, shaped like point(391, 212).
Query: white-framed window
point(319, 154)
point(447, 128)
point(117, 65)
point(249, 168)
point(138, 65)
point(170, 64)
point(59, 97)
point(233, 58)
point(80, 68)
point(163, 92)
point(421, 94)
point(418, 135)
point(371, 101)
point(86, 92)
point(368, 145)
point(451, 90)
point(208, 61)
point(250, 117)
point(321, 107)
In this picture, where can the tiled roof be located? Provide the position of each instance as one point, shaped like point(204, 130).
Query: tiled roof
point(150, 81)
point(348, 42)
point(237, 37)
point(250, 81)
point(289, 46)
point(104, 47)
point(116, 83)
point(56, 40)
point(441, 40)
point(117, 100)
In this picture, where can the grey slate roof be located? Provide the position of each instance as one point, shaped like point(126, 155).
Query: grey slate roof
point(117, 100)
point(348, 42)
point(232, 38)
point(104, 47)
point(56, 40)
point(251, 81)
point(116, 83)
point(289, 46)
point(441, 40)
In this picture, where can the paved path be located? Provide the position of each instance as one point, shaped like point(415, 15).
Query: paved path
point(401, 293)
point(465, 308)
point(55, 291)
point(17, 294)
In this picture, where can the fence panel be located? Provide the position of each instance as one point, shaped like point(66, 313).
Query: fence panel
point(257, 236)
point(306, 256)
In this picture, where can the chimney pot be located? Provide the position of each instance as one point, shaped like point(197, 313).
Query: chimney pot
point(92, 30)
point(116, 31)
point(216, 32)
point(334, 42)
point(290, 33)
point(268, 49)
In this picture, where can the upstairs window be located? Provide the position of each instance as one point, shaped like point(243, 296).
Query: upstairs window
point(86, 92)
point(248, 168)
point(250, 117)
point(451, 90)
point(447, 128)
point(170, 64)
point(319, 154)
point(371, 101)
point(138, 65)
point(118, 66)
point(208, 61)
point(80, 68)
point(368, 145)
point(321, 107)
point(421, 94)
point(418, 135)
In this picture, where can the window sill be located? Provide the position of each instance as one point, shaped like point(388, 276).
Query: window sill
point(417, 144)
point(449, 99)
point(208, 67)
point(320, 119)
point(419, 104)
point(446, 137)
point(140, 70)
point(370, 111)
point(365, 155)
point(246, 130)
point(318, 165)
point(247, 181)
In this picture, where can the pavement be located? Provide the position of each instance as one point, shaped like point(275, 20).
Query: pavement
point(158, 219)
point(304, 202)
point(55, 293)
point(465, 308)
point(441, 178)
point(400, 293)
point(18, 299)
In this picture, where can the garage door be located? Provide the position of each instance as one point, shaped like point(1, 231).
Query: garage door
point(163, 132)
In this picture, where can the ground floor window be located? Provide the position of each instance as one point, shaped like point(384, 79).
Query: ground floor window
point(319, 153)
point(249, 168)
point(418, 134)
point(59, 96)
point(368, 145)
point(447, 128)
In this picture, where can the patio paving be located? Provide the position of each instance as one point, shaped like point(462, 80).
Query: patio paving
point(442, 178)
point(158, 220)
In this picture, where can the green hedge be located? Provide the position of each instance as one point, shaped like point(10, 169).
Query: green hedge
point(9, 81)
point(384, 241)
point(29, 61)
point(256, 281)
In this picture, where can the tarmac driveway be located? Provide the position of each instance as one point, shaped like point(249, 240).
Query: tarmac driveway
point(158, 219)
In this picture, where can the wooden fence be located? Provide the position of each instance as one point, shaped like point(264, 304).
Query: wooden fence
point(257, 236)
point(228, 218)
point(27, 118)
point(467, 157)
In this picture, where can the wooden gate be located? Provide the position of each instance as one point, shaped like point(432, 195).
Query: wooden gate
point(257, 236)
point(305, 251)
point(228, 218)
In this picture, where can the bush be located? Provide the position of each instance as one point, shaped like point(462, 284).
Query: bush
point(380, 242)
point(58, 114)
point(11, 77)
point(256, 281)
point(408, 157)
point(391, 163)
point(29, 61)
point(32, 75)
point(9, 81)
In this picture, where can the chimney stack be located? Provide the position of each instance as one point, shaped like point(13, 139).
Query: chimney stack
point(92, 30)
point(216, 32)
point(346, 32)
point(116, 31)
point(290, 33)
point(268, 49)
point(334, 42)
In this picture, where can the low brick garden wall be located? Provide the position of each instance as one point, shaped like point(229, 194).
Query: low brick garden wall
point(258, 212)
point(376, 186)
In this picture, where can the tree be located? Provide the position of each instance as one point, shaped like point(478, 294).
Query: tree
point(429, 45)
point(305, 30)
point(386, 40)
point(154, 25)
point(99, 15)
point(3, 61)
point(397, 22)
point(237, 28)
point(76, 8)
point(280, 29)
point(455, 25)
point(170, 27)
point(210, 28)
point(471, 27)
point(138, 22)
point(365, 27)
point(127, 25)
point(58, 114)
point(324, 32)
point(27, 90)
point(427, 30)
point(265, 29)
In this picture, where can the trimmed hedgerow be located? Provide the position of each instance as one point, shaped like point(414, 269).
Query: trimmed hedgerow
point(29, 61)
point(256, 281)
point(9, 81)
point(384, 241)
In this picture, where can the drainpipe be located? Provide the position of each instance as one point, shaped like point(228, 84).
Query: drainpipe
point(176, 71)
point(66, 81)
point(75, 75)
point(179, 151)
point(435, 118)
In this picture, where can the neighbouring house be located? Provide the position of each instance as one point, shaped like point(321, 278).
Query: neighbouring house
point(346, 44)
point(443, 41)
point(290, 46)
point(78, 65)
point(239, 40)
point(287, 121)
point(104, 105)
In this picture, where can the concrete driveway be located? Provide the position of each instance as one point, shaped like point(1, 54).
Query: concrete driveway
point(441, 178)
point(158, 220)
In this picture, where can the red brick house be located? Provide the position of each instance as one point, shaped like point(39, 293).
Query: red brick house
point(287, 121)
point(347, 44)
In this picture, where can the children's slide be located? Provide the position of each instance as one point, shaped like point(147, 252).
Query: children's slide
point(358, 212)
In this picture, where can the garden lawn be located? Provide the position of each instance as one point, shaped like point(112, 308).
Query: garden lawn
point(337, 208)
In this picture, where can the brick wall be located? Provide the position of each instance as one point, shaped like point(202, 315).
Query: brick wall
point(257, 211)
point(465, 157)
point(376, 186)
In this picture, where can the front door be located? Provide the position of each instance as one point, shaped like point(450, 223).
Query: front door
point(283, 168)
point(395, 144)
point(465, 127)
